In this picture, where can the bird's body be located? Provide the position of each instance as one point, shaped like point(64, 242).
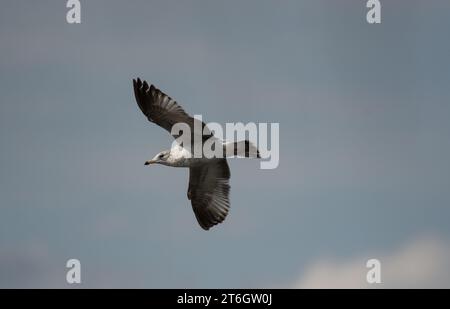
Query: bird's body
point(209, 186)
point(179, 157)
point(182, 157)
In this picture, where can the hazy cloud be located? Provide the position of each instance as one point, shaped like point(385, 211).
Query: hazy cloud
point(421, 263)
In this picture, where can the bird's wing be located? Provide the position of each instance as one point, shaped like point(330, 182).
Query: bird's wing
point(162, 109)
point(209, 191)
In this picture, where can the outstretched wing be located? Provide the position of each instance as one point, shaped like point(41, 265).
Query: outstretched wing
point(209, 192)
point(162, 109)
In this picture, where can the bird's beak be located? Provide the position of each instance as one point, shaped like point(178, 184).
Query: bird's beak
point(150, 162)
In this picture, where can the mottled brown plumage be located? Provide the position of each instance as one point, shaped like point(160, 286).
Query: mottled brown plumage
point(209, 187)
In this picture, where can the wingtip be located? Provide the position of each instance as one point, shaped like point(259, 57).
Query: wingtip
point(137, 83)
point(145, 85)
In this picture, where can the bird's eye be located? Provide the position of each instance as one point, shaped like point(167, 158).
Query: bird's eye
point(161, 155)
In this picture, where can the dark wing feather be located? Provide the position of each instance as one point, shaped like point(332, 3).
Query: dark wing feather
point(160, 108)
point(209, 192)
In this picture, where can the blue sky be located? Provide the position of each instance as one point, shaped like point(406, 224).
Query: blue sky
point(364, 141)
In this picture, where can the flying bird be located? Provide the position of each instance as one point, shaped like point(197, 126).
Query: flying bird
point(209, 178)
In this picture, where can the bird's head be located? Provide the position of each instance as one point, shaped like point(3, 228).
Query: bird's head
point(160, 158)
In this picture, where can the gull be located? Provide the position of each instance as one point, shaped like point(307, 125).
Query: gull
point(209, 178)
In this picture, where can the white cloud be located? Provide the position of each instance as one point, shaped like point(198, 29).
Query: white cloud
point(422, 263)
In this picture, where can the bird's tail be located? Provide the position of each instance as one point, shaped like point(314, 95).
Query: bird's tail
point(242, 149)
